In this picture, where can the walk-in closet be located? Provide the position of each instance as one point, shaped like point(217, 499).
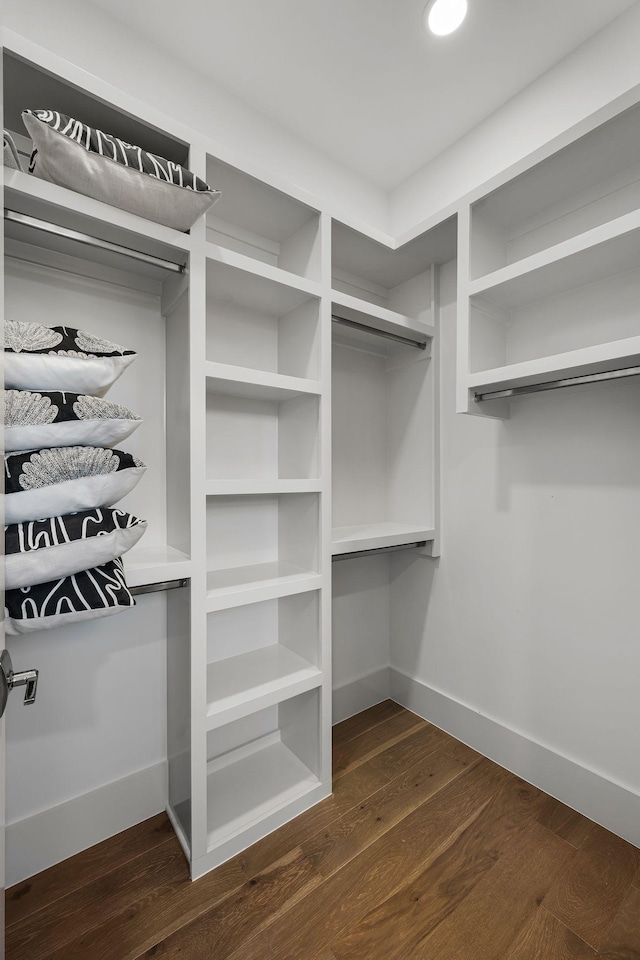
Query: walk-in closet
point(322, 481)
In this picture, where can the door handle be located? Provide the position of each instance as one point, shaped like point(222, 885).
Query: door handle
point(9, 679)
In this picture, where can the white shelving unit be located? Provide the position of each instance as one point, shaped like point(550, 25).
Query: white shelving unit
point(549, 272)
point(384, 396)
point(232, 383)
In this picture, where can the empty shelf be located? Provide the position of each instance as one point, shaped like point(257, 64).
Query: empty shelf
point(373, 536)
point(235, 586)
point(248, 784)
point(154, 564)
point(575, 363)
point(235, 381)
point(260, 487)
point(256, 680)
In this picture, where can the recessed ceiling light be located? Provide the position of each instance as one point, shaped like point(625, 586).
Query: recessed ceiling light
point(444, 16)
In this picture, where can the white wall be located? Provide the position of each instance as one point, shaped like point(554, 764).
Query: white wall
point(84, 35)
point(531, 616)
point(603, 68)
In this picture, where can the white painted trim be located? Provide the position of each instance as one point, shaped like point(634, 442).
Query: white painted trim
point(610, 804)
point(354, 696)
point(37, 842)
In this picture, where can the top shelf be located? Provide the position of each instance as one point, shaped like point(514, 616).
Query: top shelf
point(594, 180)
point(262, 223)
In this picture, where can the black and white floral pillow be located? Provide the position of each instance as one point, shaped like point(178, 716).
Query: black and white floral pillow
point(99, 592)
point(60, 480)
point(36, 419)
point(40, 550)
point(38, 357)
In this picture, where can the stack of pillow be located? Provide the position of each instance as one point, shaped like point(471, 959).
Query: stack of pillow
point(61, 465)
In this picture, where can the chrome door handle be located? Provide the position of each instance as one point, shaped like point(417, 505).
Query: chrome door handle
point(9, 679)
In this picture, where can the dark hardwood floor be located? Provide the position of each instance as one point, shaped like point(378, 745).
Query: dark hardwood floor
point(425, 851)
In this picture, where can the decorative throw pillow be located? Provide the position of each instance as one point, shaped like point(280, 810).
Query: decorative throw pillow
point(33, 420)
point(43, 550)
point(37, 357)
point(60, 480)
point(98, 592)
point(71, 154)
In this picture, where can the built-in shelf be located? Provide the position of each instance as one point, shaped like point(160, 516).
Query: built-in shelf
point(374, 536)
point(575, 363)
point(235, 586)
point(266, 487)
point(379, 318)
point(144, 565)
point(607, 250)
point(28, 195)
point(235, 381)
point(263, 222)
point(252, 782)
point(253, 681)
point(591, 181)
point(296, 285)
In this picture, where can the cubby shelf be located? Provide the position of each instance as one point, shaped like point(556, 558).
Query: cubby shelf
point(575, 363)
point(253, 681)
point(254, 292)
point(226, 488)
point(605, 251)
point(374, 536)
point(144, 565)
point(235, 381)
point(236, 586)
point(251, 783)
point(379, 318)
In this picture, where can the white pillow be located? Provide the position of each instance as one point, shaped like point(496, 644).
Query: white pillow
point(37, 357)
point(89, 161)
point(60, 480)
point(33, 420)
point(99, 592)
point(42, 550)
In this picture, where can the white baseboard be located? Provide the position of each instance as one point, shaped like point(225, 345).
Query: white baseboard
point(610, 804)
point(37, 842)
point(356, 695)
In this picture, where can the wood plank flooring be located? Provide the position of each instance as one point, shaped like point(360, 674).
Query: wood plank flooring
point(425, 851)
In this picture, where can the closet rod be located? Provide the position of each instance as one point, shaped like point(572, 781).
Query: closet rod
point(378, 550)
point(157, 587)
point(88, 240)
point(558, 384)
point(379, 333)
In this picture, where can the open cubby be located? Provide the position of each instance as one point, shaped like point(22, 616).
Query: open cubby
point(253, 438)
point(263, 223)
point(398, 280)
point(155, 387)
point(261, 764)
point(261, 543)
point(594, 180)
point(259, 323)
point(382, 442)
point(258, 652)
point(584, 330)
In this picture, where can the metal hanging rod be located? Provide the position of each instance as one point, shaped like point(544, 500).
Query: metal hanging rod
point(157, 587)
point(378, 550)
point(379, 333)
point(558, 384)
point(85, 238)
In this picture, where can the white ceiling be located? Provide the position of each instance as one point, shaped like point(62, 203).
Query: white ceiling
point(360, 79)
